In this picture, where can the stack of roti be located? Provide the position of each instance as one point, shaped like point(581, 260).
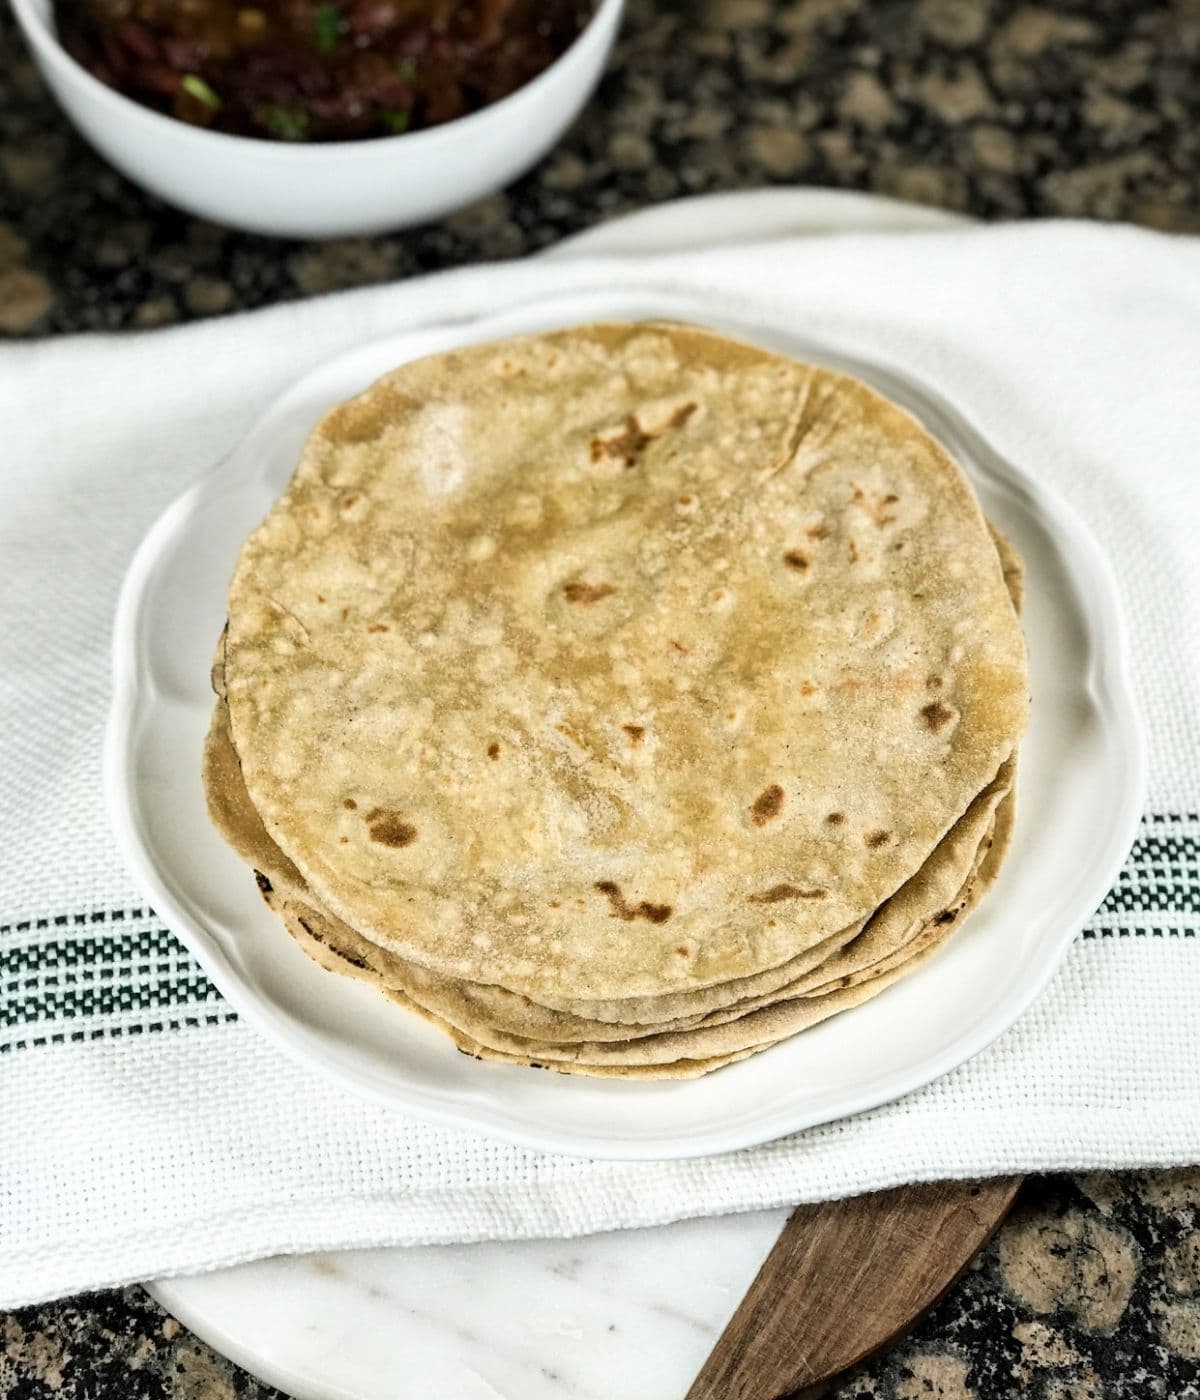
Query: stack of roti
point(622, 700)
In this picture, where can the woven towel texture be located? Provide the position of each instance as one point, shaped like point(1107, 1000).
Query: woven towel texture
point(144, 1130)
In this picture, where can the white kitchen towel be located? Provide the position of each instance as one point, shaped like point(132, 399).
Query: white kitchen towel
point(145, 1131)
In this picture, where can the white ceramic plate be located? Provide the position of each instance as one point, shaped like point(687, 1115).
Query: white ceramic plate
point(1081, 786)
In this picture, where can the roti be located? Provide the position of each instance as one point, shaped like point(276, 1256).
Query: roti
point(898, 936)
point(480, 1010)
point(618, 663)
point(787, 1020)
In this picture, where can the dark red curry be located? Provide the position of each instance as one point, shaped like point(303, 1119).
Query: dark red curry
point(299, 70)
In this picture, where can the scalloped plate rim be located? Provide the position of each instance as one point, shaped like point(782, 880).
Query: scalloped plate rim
point(487, 1106)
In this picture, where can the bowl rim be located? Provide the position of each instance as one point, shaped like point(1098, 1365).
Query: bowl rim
point(40, 33)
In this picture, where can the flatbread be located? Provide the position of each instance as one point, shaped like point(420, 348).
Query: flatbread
point(645, 1044)
point(323, 939)
point(470, 1006)
point(563, 661)
point(790, 1018)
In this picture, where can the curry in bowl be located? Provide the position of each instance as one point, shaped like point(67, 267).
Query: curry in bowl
point(308, 70)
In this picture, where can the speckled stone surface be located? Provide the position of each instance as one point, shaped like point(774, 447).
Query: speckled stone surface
point(1003, 109)
point(1092, 1287)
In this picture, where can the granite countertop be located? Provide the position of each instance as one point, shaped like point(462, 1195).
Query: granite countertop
point(1092, 1287)
point(1003, 110)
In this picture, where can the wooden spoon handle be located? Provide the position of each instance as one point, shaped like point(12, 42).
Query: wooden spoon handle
point(846, 1278)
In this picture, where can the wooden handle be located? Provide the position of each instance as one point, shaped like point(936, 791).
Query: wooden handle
point(846, 1278)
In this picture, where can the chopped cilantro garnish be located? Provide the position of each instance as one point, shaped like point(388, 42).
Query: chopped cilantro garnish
point(396, 119)
point(328, 24)
point(289, 122)
point(200, 90)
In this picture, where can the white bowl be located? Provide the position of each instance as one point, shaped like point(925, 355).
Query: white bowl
point(329, 189)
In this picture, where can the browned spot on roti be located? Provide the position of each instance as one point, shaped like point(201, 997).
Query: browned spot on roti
point(947, 916)
point(320, 597)
point(587, 593)
point(622, 909)
point(877, 838)
point(636, 733)
point(852, 549)
point(936, 715)
point(627, 445)
point(350, 805)
point(778, 893)
point(877, 506)
point(351, 958)
point(264, 885)
point(390, 828)
point(836, 818)
point(679, 647)
point(379, 627)
point(577, 739)
point(796, 559)
point(768, 804)
point(493, 750)
point(819, 531)
point(935, 682)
